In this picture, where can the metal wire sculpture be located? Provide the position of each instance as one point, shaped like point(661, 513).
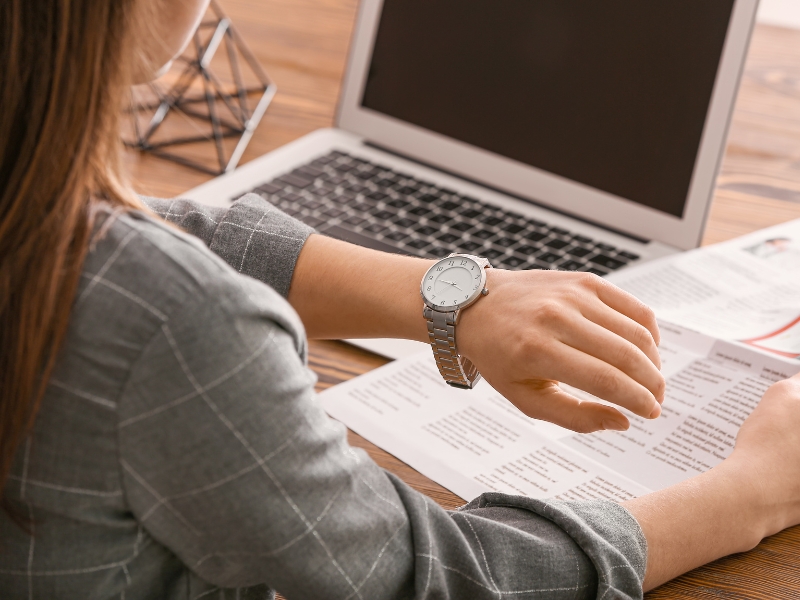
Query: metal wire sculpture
point(213, 110)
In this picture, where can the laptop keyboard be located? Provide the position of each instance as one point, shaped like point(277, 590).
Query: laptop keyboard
point(378, 207)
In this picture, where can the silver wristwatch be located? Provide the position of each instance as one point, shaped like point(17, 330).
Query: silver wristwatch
point(449, 286)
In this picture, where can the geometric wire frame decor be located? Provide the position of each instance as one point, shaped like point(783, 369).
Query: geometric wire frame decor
point(203, 98)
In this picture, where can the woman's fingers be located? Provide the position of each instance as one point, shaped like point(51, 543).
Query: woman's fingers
point(547, 402)
point(625, 327)
point(628, 305)
point(601, 379)
point(618, 351)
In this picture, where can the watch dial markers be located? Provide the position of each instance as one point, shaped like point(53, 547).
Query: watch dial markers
point(451, 282)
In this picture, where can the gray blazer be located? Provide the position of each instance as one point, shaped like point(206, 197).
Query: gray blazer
point(180, 451)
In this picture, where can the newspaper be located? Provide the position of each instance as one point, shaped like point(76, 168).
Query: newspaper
point(728, 316)
point(747, 289)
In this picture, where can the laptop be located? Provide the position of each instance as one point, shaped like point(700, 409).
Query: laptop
point(556, 134)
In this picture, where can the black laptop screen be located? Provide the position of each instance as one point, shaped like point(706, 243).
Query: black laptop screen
point(610, 94)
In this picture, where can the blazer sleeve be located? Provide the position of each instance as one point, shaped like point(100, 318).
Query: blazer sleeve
point(251, 235)
point(228, 461)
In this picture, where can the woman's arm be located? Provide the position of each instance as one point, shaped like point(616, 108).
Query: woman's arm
point(534, 329)
point(731, 508)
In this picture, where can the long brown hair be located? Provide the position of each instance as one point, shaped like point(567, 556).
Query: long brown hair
point(64, 71)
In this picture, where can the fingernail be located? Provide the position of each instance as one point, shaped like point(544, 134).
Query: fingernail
point(614, 425)
point(656, 411)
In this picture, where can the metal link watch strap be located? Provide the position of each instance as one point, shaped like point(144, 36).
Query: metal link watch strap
point(456, 370)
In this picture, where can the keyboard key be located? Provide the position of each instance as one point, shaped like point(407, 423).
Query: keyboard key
point(378, 196)
point(527, 250)
point(505, 242)
point(628, 255)
point(428, 198)
point(440, 219)
point(314, 221)
point(397, 202)
point(559, 231)
point(417, 244)
point(483, 234)
point(470, 246)
point(357, 188)
point(513, 262)
point(268, 189)
point(405, 223)
point(407, 190)
point(294, 180)
point(557, 244)
point(449, 206)
point(535, 236)
point(313, 205)
point(605, 247)
point(376, 227)
point(571, 265)
point(291, 197)
point(396, 236)
point(513, 228)
point(324, 160)
point(493, 253)
point(582, 239)
point(470, 214)
point(333, 212)
point(449, 238)
point(383, 215)
point(549, 257)
point(292, 210)
point(493, 221)
point(579, 252)
point(426, 230)
point(365, 174)
point(606, 261)
point(419, 211)
point(355, 220)
point(462, 226)
point(308, 171)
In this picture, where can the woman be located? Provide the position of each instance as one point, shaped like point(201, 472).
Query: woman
point(159, 437)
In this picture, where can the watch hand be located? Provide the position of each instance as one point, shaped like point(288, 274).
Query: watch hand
point(453, 283)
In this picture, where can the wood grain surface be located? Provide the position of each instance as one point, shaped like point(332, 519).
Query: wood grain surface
point(303, 46)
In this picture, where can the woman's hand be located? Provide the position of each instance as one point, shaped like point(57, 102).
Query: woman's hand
point(752, 494)
point(538, 328)
point(534, 329)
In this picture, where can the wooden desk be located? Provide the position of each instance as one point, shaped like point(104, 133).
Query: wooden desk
point(303, 45)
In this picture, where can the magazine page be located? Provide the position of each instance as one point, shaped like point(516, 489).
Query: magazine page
point(708, 398)
point(476, 441)
point(469, 442)
point(745, 290)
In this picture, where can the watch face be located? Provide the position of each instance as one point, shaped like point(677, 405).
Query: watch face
point(452, 283)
